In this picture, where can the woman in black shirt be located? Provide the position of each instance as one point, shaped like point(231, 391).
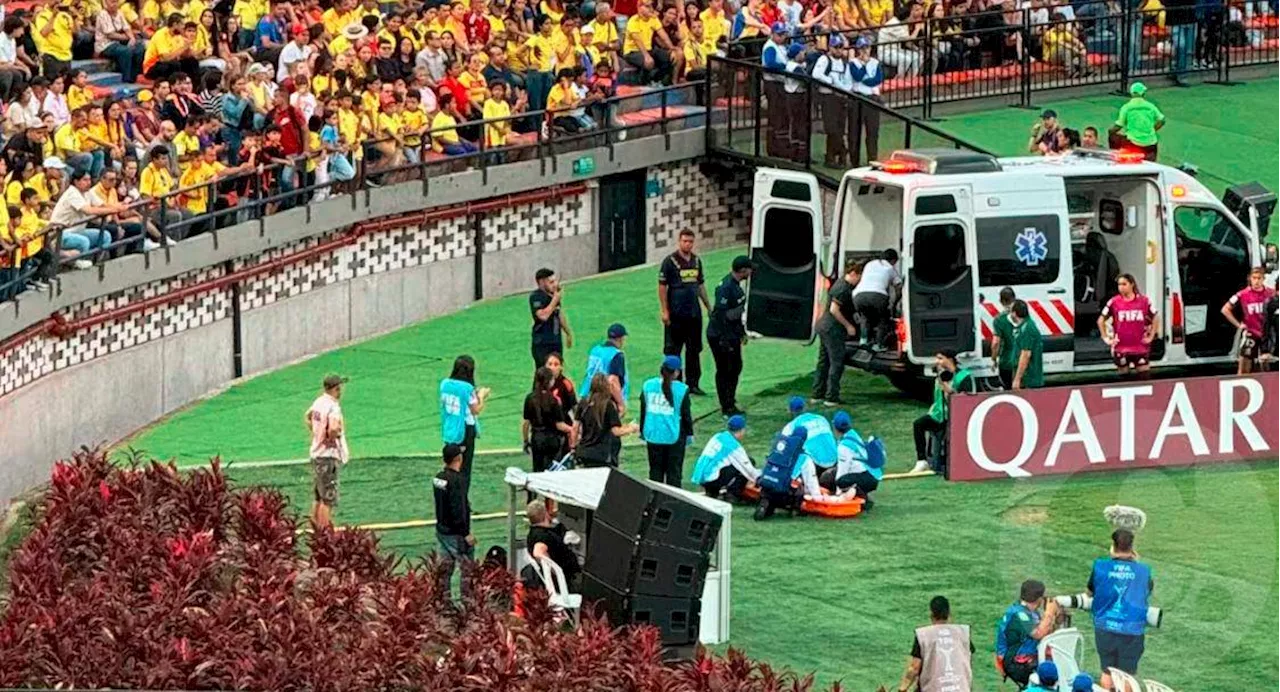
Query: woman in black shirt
point(599, 425)
point(546, 429)
point(561, 387)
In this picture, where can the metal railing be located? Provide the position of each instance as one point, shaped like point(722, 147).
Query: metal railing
point(1014, 53)
point(253, 195)
point(798, 122)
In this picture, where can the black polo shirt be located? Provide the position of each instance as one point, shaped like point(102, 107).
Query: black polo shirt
point(725, 322)
point(548, 332)
point(682, 278)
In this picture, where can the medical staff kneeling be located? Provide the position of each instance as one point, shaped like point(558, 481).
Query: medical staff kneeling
point(859, 468)
point(725, 467)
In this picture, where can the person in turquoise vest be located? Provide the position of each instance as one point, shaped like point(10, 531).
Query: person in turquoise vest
point(725, 465)
point(855, 471)
point(951, 379)
point(820, 445)
point(460, 405)
point(608, 358)
point(666, 423)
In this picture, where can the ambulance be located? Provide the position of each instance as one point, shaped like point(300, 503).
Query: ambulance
point(967, 224)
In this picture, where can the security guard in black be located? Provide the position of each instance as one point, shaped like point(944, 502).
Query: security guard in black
point(726, 333)
point(681, 294)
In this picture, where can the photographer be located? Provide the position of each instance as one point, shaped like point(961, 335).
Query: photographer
point(1120, 586)
point(1021, 629)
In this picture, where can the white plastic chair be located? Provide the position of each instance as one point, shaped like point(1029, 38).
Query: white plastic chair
point(558, 588)
point(1124, 682)
point(1153, 686)
point(1065, 647)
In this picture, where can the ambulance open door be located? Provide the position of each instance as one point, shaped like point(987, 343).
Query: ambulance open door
point(787, 285)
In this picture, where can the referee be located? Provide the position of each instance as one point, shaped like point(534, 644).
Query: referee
point(549, 322)
point(726, 333)
point(681, 295)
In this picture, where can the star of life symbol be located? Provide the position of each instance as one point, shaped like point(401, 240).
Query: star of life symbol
point(1031, 247)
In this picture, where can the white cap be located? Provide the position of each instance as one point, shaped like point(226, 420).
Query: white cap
point(54, 162)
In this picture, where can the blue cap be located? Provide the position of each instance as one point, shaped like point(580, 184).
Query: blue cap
point(836, 41)
point(794, 50)
point(795, 404)
point(841, 421)
point(736, 422)
point(862, 42)
point(1082, 683)
point(778, 28)
point(616, 330)
point(1047, 671)
point(671, 363)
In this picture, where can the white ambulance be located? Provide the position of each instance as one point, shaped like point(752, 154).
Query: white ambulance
point(1055, 229)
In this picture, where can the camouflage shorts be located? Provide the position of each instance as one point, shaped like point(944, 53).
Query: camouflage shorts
point(325, 470)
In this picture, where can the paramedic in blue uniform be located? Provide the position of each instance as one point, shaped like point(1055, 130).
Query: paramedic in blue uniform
point(725, 465)
point(551, 331)
point(682, 294)
point(1120, 586)
point(666, 423)
point(460, 405)
point(1020, 630)
point(726, 333)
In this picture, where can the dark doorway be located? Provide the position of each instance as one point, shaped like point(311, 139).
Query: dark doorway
point(622, 223)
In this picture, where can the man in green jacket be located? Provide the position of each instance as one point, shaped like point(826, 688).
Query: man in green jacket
point(1137, 123)
point(951, 379)
point(1029, 346)
point(1003, 355)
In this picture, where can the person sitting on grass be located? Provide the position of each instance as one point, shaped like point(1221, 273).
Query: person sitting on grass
point(725, 465)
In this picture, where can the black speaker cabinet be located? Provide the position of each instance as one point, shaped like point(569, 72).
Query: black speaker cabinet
point(676, 618)
point(632, 565)
point(656, 515)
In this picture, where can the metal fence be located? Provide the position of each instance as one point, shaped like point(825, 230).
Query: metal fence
point(798, 122)
point(252, 196)
point(1007, 51)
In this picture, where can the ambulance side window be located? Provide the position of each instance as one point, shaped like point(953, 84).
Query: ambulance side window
point(782, 244)
point(1018, 250)
point(938, 254)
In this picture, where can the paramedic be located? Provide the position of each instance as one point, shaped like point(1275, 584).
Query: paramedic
point(853, 467)
point(1120, 586)
point(820, 445)
point(1137, 123)
point(951, 379)
point(871, 297)
point(941, 655)
point(727, 334)
point(724, 465)
point(832, 69)
point(1251, 301)
point(1002, 350)
point(834, 328)
point(665, 422)
point(1021, 629)
point(1029, 346)
point(681, 295)
point(1133, 327)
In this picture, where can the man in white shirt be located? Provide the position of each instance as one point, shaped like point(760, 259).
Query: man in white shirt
point(867, 76)
point(832, 69)
point(297, 50)
point(871, 297)
point(328, 448)
point(72, 211)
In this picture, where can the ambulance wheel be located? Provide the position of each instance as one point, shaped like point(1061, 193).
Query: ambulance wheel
point(915, 387)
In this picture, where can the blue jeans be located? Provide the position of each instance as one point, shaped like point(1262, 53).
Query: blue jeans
point(1184, 46)
point(1135, 40)
point(85, 240)
point(128, 59)
point(462, 147)
point(452, 549)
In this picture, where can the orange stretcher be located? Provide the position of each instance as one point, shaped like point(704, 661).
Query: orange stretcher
point(851, 507)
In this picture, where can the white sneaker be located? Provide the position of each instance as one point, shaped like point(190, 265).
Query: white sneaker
point(82, 264)
point(148, 245)
point(921, 467)
point(170, 241)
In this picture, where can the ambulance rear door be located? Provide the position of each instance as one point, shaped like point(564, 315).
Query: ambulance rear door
point(939, 284)
point(787, 286)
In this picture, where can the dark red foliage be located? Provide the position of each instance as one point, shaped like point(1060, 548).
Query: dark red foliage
point(143, 577)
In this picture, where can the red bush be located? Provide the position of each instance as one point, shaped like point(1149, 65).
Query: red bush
point(144, 577)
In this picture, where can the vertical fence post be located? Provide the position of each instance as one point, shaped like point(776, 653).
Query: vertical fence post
point(710, 101)
point(1025, 59)
point(757, 95)
point(926, 106)
point(1126, 46)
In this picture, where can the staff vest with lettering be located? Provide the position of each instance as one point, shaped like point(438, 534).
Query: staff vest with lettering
point(819, 446)
point(715, 456)
point(662, 417)
point(945, 661)
point(1120, 591)
point(455, 409)
point(598, 360)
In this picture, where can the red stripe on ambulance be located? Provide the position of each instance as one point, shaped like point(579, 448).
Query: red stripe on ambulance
point(1051, 326)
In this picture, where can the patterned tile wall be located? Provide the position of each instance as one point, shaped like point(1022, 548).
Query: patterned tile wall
point(717, 207)
point(535, 223)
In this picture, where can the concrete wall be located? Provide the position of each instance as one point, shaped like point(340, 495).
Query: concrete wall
point(106, 381)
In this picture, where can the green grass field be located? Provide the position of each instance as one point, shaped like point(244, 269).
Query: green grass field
point(836, 597)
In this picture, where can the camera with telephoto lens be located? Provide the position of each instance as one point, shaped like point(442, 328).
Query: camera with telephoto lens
point(1083, 601)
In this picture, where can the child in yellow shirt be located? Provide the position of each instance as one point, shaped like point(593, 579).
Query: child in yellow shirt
point(79, 94)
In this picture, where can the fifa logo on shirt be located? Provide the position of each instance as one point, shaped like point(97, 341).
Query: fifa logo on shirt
point(1131, 315)
point(452, 404)
point(656, 403)
point(1254, 309)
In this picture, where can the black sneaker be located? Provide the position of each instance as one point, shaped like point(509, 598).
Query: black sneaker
point(697, 391)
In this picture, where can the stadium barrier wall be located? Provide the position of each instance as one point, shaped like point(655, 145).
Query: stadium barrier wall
point(1114, 426)
point(100, 368)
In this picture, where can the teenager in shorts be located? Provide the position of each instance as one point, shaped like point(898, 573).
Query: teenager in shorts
point(328, 448)
point(1132, 328)
point(1251, 302)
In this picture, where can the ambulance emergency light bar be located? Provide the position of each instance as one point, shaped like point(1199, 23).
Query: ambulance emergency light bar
point(1112, 155)
point(937, 162)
